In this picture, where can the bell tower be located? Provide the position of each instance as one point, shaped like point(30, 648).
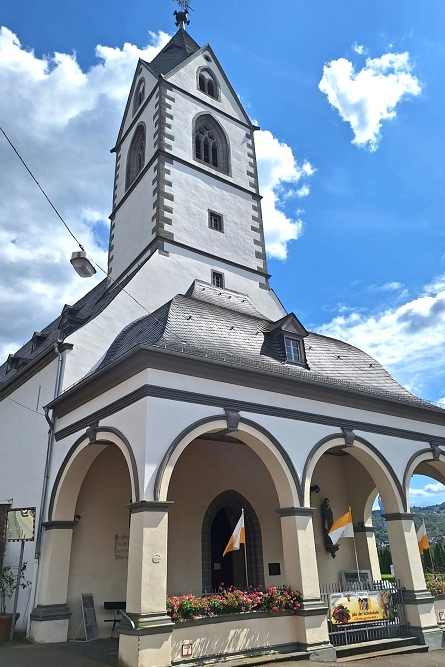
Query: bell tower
point(186, 183)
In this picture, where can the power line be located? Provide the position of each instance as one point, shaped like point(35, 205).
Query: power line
point(25, 406)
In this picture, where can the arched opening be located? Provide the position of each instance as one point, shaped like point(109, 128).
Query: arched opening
point(349, 477)
point(136, 156)
point(240, 568)
point(139, 95)
point(210, 143)
point(207, 83)
point(252, 474)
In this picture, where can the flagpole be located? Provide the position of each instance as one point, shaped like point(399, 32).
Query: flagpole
point(355, 550)
point(245, 553)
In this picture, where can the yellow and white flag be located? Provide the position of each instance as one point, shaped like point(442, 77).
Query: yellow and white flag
point(238, 536)
point(422, 538)
point(343, 527)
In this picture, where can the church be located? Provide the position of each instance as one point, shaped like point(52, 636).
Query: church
point(179, 392)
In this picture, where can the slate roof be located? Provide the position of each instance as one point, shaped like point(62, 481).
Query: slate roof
point(225, 326)
point(178, 49)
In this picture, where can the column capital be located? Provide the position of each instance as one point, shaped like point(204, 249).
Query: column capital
point(295, 511)
point(150, 506)
point(398, 516)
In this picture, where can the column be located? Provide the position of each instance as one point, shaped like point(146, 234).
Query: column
point(419, 603)
point(50, 617)
point(145, 636)
point(300, 569)
point(367, 550)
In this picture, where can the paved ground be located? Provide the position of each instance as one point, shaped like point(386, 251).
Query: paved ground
point(103, 653)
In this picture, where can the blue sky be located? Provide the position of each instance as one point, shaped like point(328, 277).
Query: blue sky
point(350, 99)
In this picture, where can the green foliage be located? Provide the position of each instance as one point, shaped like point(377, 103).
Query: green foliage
point(232, 601)
point(435, 583)
point(8, 583)
point(385, 560)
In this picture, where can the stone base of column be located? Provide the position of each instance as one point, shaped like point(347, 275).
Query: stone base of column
point(145, 641)
point(433, 637)
point(313, 630)
point(49, 623)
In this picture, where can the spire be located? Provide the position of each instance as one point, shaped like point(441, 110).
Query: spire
point(182, 16)
point(178, 49)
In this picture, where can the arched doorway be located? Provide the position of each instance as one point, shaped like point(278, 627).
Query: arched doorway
point(240, 568)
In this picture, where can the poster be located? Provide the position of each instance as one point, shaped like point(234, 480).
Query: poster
point(359, 607)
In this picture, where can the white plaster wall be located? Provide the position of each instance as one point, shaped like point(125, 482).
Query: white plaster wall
point(236, 635)
point(23, 446)
point(196, 194)
point(185, 77)
point(152, 289)
point(150, 83)
point(133, 223)
point(96, 566)
point(204, 470)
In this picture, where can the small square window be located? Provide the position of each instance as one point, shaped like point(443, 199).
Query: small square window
point(215, 221)
point(293, 350)
point(217, 279)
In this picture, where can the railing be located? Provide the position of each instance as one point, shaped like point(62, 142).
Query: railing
point(354, 633)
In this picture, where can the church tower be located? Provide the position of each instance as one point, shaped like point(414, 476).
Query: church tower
point(186, 199)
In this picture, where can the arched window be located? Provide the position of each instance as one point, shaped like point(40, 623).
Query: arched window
point(207, 83)
point(136, 156)
point(139, 95)
point(211, 144)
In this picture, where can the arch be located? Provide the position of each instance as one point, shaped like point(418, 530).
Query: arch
point(435, 463)
point(136, 155)
point(210, 143)
point(233, 501)
point(76, 464)
point(263, 443)
point(369, 456)
point(207, 82)
point(139, 95)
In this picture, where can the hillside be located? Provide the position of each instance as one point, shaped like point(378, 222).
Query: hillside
point(433, 515)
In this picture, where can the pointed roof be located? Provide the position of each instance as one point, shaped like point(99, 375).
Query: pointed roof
point(178, 49)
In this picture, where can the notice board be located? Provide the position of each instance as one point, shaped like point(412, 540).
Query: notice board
point(89, 617)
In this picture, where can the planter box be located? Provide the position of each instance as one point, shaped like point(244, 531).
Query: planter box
point(235, 634)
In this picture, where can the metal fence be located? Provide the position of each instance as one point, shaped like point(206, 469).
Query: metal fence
point(354, 633)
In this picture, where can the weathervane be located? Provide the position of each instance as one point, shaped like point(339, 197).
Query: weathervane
point(182, 16)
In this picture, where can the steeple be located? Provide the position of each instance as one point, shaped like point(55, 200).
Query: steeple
point(186, 183)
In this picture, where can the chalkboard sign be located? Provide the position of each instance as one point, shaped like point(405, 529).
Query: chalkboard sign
point(89, 617)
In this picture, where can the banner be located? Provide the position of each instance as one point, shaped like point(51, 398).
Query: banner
point(359, 607)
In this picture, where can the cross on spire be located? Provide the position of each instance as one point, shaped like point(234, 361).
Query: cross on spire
point(182, 16)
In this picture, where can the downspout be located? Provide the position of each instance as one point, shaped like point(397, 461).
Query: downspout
point(49, 453)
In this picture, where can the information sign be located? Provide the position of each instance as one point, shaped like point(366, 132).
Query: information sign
point(359, 607)
point(89, 616)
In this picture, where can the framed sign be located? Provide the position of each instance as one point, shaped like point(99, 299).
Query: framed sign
point(89, 617)
point(20, 524)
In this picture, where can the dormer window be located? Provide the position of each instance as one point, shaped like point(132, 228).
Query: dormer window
point(207, 83)
point(293, 350)
point(284, 341)
point(139, 95)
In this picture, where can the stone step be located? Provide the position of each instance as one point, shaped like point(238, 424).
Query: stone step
point(380, 647)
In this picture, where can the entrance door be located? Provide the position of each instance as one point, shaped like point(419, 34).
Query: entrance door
point(229, 570)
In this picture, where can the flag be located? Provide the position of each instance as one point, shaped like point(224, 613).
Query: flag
point(422, 538)
point(238, 536)
point(342, 527)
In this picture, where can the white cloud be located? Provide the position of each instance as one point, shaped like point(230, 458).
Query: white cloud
point(360, 49)
point(428, 491)
point(393, 286)
point(406, 339)
point(366, 98)
point(64, 120)
point(278, 172)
